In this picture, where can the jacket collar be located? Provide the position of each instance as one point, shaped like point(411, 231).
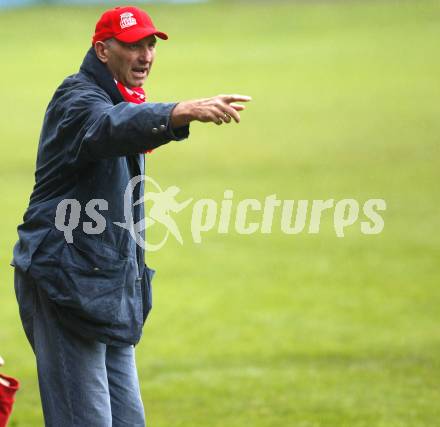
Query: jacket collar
point(99, 72)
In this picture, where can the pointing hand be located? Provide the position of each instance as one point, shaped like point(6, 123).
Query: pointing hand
point(218, 109)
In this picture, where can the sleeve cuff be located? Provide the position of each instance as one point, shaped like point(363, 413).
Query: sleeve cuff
point(177, 134)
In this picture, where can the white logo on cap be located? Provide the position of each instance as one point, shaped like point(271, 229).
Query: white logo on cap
point(127, 20)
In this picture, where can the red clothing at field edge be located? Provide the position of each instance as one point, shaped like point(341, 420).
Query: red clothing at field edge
point(7, 394)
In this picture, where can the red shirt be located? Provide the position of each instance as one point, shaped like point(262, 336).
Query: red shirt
point(135, 95)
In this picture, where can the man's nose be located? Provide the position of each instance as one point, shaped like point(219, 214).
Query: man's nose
point(146, 55)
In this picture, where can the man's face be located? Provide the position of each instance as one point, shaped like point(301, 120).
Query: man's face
point(130, 63)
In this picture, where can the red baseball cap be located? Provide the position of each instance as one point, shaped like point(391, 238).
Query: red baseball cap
point(126, 24)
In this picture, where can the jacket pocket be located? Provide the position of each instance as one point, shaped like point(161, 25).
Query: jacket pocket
point(89, 284)
point(147, 291)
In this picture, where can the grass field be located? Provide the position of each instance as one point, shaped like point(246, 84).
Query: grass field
point(268, 330)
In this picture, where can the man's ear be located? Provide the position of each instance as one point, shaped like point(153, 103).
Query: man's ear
point(101, 50)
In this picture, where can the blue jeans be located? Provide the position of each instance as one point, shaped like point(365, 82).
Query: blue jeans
point(82, 383)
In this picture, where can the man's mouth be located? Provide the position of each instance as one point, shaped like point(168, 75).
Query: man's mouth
point(140, 72)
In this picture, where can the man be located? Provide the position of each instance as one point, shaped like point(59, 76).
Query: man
point(83, 302)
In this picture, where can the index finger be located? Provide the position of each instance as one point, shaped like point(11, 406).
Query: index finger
point(235, 98)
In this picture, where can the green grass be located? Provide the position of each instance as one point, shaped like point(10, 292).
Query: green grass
point(268, 330)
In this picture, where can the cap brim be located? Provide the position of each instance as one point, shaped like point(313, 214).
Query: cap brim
point(136, 34)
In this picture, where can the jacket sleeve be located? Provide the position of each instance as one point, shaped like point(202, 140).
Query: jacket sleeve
point(108, 130)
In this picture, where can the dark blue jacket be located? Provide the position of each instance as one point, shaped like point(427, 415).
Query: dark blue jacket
point(89, 148)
